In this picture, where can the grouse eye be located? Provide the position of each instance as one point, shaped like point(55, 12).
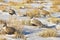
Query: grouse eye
point(34, 25)
point(11, 13)
point(24, 15)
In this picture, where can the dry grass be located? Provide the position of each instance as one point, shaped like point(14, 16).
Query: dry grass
point(33, 13)
point(19, 35)
point(2, 21)
point(48, 33)
point(2, 39)
point(1, 0)
point(45, 13)
point(11, 3)
point(28, 1)
point(55, 8)
point(41, 7)
point(54, 20)
point(3, 7)
point(56, 2)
